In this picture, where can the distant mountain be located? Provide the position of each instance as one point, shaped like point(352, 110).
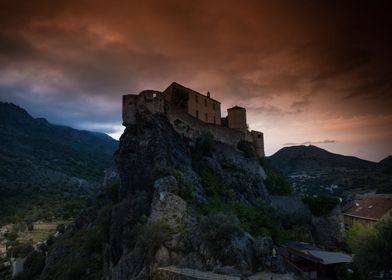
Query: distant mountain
point(320, 171)
point(386, 164)
point(311, 158)
point(36, 153)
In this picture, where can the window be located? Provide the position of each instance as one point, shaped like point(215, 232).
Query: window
point(213, 105)
point(214, 120)
point(205, 102)
point(259, 136)
point(197, 113)
point(206, 117)
point(196, 99)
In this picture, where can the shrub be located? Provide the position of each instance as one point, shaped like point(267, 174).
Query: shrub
point(248, 148)
point(152, 236)
point(20, 250)
point(372, 251)
point(277, 184)
point(322, 204)
point(218, 228)
point(34, 264)
point(184, 188)
point(11, 236)
point(259, 219)
point(356, 233)
point(60, 228)
point(212, 184)
point(298, 233)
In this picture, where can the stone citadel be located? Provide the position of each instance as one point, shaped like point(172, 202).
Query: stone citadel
point(192, 114)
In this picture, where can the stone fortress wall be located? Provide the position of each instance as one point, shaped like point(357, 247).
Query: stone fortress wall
point(200, 106)
point(191, 125)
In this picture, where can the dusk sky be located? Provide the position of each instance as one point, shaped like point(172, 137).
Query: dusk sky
point(318, 71)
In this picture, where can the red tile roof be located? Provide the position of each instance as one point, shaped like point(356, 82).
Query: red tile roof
point(369, 207)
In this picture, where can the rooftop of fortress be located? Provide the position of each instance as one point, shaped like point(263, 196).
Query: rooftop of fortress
point(192, 90)
point(192, 113)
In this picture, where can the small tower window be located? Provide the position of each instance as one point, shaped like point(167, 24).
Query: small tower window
point(206, 117)
point(197, 113)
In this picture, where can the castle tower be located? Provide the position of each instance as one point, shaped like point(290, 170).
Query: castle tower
point(258, 141)
point(236, 118)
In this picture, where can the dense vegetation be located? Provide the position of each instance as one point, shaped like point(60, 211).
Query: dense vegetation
point(372, 247)
point(322, 204)
point(46, 207)
point(247, 147)
point(47, 171)
point(276, 183)
point(258, 219)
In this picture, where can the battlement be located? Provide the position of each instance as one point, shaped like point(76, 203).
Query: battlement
point(191, 114)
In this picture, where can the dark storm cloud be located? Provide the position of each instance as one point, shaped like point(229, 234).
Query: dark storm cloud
point(71, 61)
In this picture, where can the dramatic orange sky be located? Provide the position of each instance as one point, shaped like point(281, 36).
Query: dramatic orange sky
point(318, 71)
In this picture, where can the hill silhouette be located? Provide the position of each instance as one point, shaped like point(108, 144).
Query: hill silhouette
point(312, 158)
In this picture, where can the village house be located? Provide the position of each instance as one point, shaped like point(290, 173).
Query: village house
point(367, 209)
point(192, 114)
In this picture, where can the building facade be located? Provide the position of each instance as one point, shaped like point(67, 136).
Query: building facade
point(367, 209)
point(202, 107)
point(202, 113)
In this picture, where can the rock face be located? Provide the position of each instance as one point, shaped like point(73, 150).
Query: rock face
point(292, 206)
point(328, 230)
point(155, 223)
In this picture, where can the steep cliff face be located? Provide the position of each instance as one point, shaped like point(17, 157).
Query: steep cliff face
point(169, 184)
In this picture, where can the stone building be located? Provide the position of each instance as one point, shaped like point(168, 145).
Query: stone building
point(367, 209)
point(192, 113)
point(202, 107)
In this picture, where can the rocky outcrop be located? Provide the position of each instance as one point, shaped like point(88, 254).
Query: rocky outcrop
point(155, 223)
point(293, 208)
point(328, 230)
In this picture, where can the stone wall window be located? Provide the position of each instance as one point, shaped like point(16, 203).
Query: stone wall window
point(213, 105)
point(196, 99)
point(206, 117)
point(197, 113)
point(205, 102)
point(214, 120)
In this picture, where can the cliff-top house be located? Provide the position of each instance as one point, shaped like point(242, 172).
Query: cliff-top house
point(192, 113)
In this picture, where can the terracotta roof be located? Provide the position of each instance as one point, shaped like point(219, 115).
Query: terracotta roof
point(369, 207)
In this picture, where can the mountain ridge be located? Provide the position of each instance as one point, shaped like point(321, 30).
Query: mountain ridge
point(28, 143)
point(311, 158)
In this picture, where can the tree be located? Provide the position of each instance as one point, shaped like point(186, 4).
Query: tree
point(358, 232)
point(373, 250)
point(248, 148)
point(322, 204)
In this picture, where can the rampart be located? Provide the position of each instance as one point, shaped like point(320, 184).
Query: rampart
point(151, 101)
point(193, 128)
